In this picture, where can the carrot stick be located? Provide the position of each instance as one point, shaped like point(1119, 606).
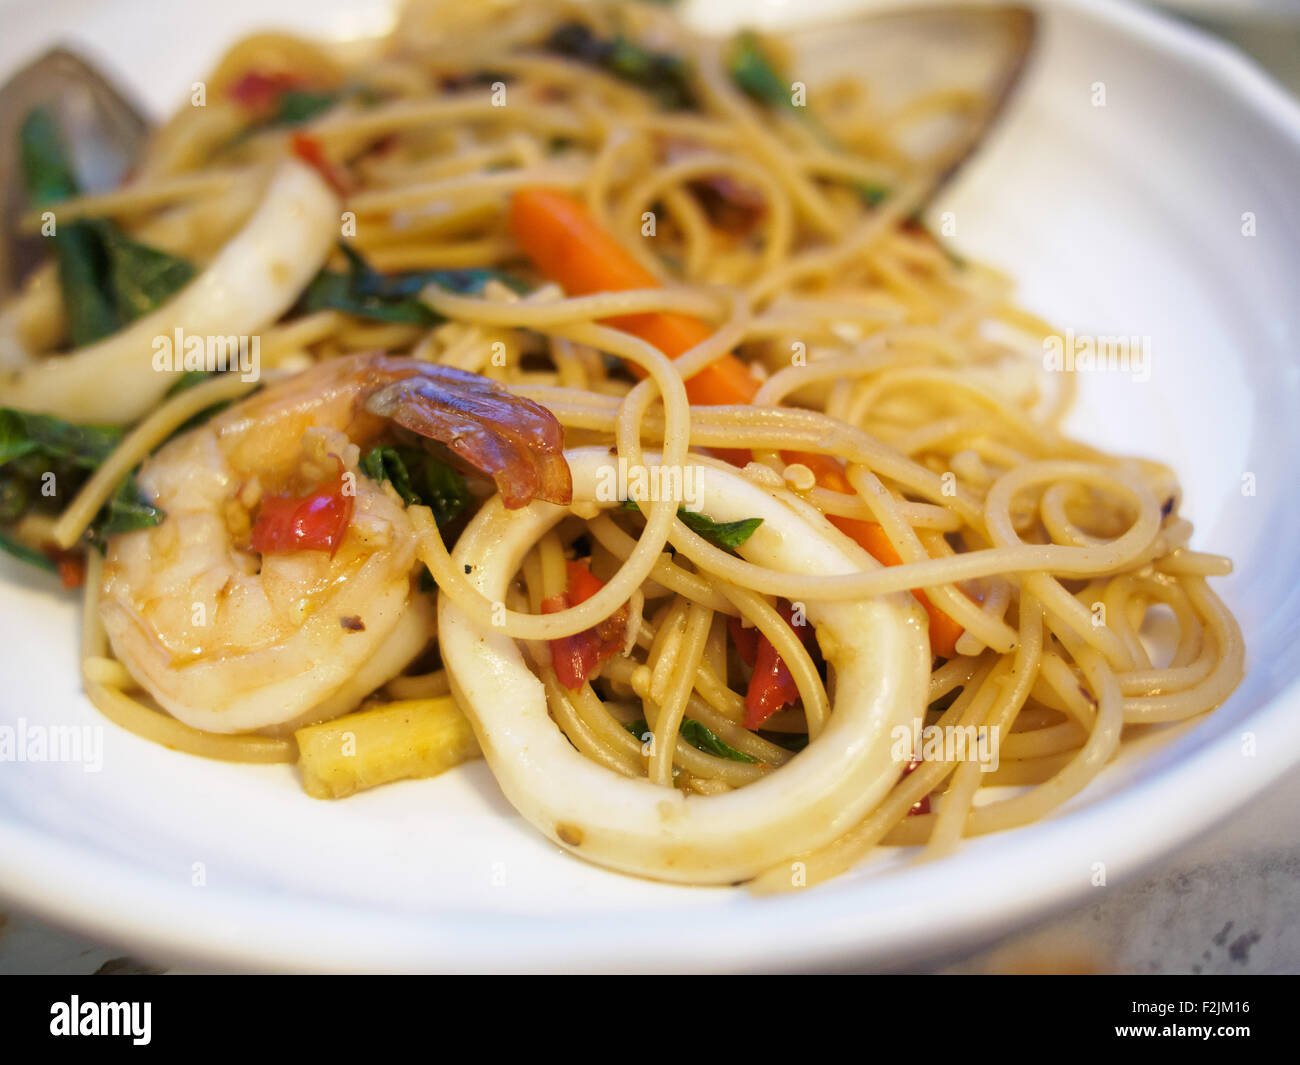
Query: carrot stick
point(572, 249)
point(829, 472)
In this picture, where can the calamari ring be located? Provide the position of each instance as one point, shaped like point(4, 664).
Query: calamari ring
point(252, 281)
point(879, 650)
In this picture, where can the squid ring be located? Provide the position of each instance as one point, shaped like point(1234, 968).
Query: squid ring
point(878, 648)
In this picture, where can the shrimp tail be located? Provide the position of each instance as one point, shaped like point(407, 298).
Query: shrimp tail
point(516, 442)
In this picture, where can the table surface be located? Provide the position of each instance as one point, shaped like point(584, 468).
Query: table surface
point(1228, 903)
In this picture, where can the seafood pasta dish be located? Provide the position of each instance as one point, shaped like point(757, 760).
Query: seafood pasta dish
point(549, 384)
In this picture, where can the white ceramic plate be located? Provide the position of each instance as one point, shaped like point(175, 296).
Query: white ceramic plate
point(1123, 219)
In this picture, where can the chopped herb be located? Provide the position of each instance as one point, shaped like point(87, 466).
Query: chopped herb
point(107, 279)
point(333, 291)
point(704, 738)
point(282, 108)
point(296, 106)
point(791, 741)
point(467, 281)
point(757, 77)
point(27, 554)
point(87, 307)
point(134, 279)
point(141, 277)
point(34, 445)
point(755, 74)
point(49, 178)
point(365, 292)
point(81, 446)
point(125, 511)
point(47, 172)
point(187, 380)
point(14, 499)
point(943, 702)
point(699, 736)
point(725, 534)
point(289, 109)
point(639, 728)
point(420, 479)
point(871, 194)
point(666, 77)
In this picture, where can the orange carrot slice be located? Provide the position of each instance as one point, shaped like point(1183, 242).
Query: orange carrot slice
point(571, 248)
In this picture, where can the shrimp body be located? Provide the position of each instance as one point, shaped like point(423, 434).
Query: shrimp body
point(230, 640)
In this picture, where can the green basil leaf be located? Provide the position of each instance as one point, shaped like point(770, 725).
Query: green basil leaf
point(698, 735)
point(106, 279)
point(365, 292)
point(420, 479)
point(871, 194)
point(791, 741)
point(47, 171)
point(664, 76)
point(186, 380)
point(87, 304)
point(82, 446)
point(705, 739)
point(725, 534)
point(330, 291)
point(27, 554)
point(14, 438)
point(15, 497)
point(32, 445)
point(755, 75)
point(467, 282)
point(125, 511)
point(382, 464)
point(297, 106)
point(109, 280)
point(141, 278)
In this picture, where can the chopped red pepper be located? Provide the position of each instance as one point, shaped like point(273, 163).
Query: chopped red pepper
point(771, 686)
point(309, 150)
point(575, 657)
point(316, 521)
point(745, 639)
point(70, 564)
point(259, 92)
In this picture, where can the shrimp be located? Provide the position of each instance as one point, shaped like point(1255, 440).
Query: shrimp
point(232, 630)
